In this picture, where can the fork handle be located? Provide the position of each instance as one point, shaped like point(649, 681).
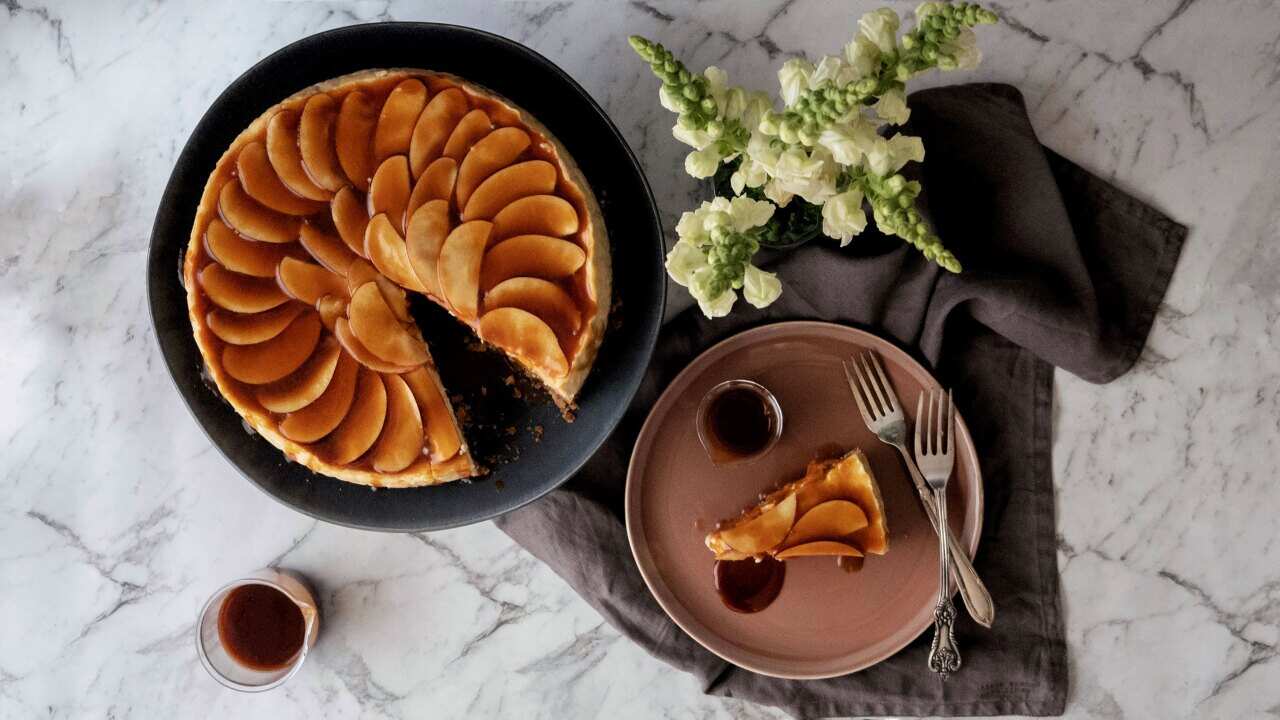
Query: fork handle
point(974, 593)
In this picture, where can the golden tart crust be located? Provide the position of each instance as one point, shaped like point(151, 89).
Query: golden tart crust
point(342, 198)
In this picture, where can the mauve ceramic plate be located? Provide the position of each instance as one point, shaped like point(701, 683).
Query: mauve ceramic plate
point(639, 284)
point(825, 622)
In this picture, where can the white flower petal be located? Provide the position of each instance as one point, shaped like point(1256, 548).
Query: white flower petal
point(862, 55)
point(683, 261)
point(697, 139)
point(702, 163)
point(748, 213)
point(689, 228)
point(718, 306)
point(718, 84)
point(794, 79)
point(843, 217)
point(892, 107)
point(881, 28)
point(760, 288)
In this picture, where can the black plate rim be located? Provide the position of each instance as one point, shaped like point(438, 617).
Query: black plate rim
point(648, 339)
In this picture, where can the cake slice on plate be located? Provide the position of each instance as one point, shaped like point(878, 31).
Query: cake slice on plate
point(834, 510)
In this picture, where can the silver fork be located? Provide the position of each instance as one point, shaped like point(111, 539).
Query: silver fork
point(883, 416)
point(935, 452)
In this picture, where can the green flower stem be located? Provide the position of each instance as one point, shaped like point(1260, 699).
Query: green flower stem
point(698, 110)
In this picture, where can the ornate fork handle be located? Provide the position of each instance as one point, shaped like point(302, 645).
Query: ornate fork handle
point(944, 654)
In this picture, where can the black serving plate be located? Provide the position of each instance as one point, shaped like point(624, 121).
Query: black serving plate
point(547, 450)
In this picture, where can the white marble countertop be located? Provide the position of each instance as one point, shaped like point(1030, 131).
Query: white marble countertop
point(117, 519)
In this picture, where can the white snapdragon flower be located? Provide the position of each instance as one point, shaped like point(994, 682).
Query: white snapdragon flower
point(843, 217)
point(684, 260)
point(862, 55)
point(832, 70)
point(964, 48)
point(881, 28)
point(760, 288)
point(888, 156)
point(713, 306)
point(692, 227)
point(717, 85)
point(747, 214)
point(794, 78)
point(811, 175)
point(892, 107)
point(696, 139)
point(849, 141)
point(703, 163)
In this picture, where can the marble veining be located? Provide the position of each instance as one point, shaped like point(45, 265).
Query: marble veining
point(117, 519)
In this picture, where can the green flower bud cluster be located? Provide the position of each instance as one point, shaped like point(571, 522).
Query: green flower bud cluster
point(690, 91)
point(893, 205)
point(729, 254)
point(816, 109)
point(925, 46)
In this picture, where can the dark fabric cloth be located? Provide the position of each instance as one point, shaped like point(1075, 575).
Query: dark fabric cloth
point(1060, 269)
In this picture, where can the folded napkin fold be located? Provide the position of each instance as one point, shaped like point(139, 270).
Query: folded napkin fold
point(1060, 269)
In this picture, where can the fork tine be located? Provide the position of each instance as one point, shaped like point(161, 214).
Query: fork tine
point(853, 387)
point(951, 424)
point(919, 418)
point(932, 447)
point(884, 382)
point(869, 384)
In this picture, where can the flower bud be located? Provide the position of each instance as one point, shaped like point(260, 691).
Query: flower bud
point(715, 128)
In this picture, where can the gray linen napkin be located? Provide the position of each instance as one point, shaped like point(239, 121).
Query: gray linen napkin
point(1061, 269)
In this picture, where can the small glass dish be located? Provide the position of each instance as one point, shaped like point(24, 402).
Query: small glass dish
point(218, 661)
point(738, 421)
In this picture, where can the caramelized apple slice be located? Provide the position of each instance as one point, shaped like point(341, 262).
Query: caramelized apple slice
point(363, 423)
point(286, 157)
point(271, 360)
point(247, 257)
point(536, 215)
point(357, 350)
point(828, 521)
point(530, 256)
point(351, 218)
point(434, 125)
point(850, 479)
point(473, 126)
point(401, 440)
point(385, 248)
point(321, 417)
point(763, 532)
point(379, 330)
point(396, 298)
point(399, 115)
point(389, 190)
point(254, 328)
point(459, 268)
point(252, 220)
point(819, 548)
point(306, 384)
point(315, 143)
point(428, 228)
point(534, 177)
point(262, 184)
point(353, 138)
point(240, 293)
point(359, 273)
point(331, 307)
point(442, 435)
point(496, 150)
point(525, 336)
point(435, 184)
point(307, 282)
point(540, 297)
point(328, 250)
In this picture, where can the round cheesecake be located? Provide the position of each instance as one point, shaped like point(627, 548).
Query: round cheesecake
point(337, 204)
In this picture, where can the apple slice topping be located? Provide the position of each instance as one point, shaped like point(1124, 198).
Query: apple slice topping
point(328, 250)
point(251, 329)
point(308, 282)
point(353, 138)
point(458, 270)
point(315, 143)
point(357, 350)
point(491, 153)
point(830, 520)
point(286, 157)
point(473, 126)
point(379, 330)
point(434, 126)
point(272, 360)
point(389, 190)
point(305, 385)
point(399, 115)
point(442, 435)
point(540, 297)
point(350, 218)
point(536, 215)
point(534, 177)
point(819, 548)
point(240, 293)
point(363, 423)
point(427, 231)
point(436, 183)
point(386, 249)
point(321, 417)
point(525, 336)
point(536, 256)
point(763, 532)
point(262, 183)
point(247, 257)
point(249, 218)
point(402, 439)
